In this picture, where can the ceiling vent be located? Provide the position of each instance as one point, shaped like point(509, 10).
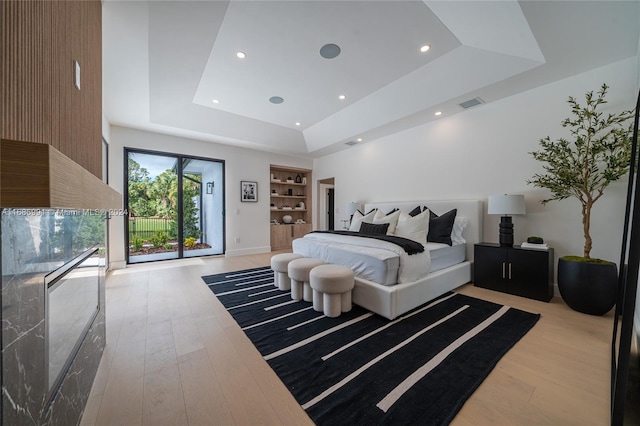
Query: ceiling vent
point(471, 103)
point(351, 143)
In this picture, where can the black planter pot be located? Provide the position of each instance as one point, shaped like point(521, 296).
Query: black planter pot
point(590, 288)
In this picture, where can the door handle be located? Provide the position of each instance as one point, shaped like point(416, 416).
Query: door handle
point(503, 268)
point(509, 270)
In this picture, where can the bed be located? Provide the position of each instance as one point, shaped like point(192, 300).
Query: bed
point(385, 283)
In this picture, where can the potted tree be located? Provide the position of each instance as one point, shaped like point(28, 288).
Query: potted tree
point(598, 154)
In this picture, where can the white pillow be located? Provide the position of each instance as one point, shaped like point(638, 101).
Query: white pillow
point(456, 232)
point(391, 219)
point(414, 228)
point(358, 218)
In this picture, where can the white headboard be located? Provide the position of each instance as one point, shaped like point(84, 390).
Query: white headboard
point(471, 209)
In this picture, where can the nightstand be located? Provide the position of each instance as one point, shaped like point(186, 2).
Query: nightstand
point(514, 270)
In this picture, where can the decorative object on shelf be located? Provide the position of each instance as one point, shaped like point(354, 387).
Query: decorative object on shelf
point(298, 179)
point(290, 192)
point(304, 180)
point(535, 243)
point(301, 204)
point(273, 177)
point(248, 191)
point(300, 194)
point(535, 240)
point(274, 192)
point(300, 221)
point(506, 205)
point(351, 208)
point(289, 180)
point(287, 218)
point(209, 187)
point(274, 222)
point(600, 153)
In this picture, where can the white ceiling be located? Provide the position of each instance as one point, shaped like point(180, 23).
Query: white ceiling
point(165, 61)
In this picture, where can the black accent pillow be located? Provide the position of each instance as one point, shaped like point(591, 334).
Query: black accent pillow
point(373, 229)
point(440, 227)
point(415, 212)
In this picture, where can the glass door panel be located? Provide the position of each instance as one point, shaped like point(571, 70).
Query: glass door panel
point(202, 207)
point(153, 207)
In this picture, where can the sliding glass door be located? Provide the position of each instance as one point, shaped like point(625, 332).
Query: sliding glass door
point(175, 205)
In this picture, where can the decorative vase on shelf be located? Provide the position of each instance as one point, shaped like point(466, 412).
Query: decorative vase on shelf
point(298, 179)
point(287, 218)
point(304, 180)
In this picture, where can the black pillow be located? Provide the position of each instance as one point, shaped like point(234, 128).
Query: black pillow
point(374, 229)
point(440, 227)
point(415, 212)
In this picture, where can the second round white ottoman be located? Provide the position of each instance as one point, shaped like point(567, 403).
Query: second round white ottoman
point(332, 285)
point(299, 270)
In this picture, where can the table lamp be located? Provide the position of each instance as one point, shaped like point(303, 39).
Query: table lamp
point(351, 208)
point(506, 205)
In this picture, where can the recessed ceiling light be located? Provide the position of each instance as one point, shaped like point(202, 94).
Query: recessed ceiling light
point(438, 113)
point(425, 48)
point(241, 55)
point(297, 123)
point(276, 100)
point(215, 101)
point(359, 140)
point(342, 97)
point(329, 51)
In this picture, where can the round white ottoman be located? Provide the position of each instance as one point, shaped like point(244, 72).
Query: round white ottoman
point(299, 270)
point(332, 285)
point(280, 266)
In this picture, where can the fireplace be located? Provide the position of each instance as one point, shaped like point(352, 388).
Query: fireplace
point(71, 305)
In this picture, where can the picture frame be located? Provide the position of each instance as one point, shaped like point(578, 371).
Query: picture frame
point(248, 191)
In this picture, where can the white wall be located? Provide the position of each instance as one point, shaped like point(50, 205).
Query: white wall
point(485, 151)
point(247, 221)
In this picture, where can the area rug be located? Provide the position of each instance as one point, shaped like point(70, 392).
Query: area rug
point(361, 368)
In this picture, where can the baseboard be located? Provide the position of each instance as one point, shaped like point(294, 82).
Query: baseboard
point(243, 252)
point(121, 264)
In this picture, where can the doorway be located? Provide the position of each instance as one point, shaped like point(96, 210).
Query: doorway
point(175, 205)
point(326, 205)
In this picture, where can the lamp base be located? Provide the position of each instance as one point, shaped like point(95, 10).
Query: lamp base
point(506, 231)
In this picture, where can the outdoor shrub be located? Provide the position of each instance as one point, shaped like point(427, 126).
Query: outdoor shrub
point(137, 243)
point(168, 246)
point(160, 238)
point(190, 242)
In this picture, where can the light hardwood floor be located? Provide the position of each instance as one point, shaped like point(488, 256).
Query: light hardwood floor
point(175, 356)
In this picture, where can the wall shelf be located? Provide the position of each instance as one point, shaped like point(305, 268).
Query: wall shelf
point(283, 234)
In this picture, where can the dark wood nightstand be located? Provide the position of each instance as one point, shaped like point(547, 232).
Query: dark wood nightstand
point(514, 270)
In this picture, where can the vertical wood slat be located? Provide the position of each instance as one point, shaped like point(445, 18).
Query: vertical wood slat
point(39, 41)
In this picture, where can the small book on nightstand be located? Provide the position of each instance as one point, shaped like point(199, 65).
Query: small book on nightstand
point(542, 246)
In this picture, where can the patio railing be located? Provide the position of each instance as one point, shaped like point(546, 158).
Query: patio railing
point(146, 227)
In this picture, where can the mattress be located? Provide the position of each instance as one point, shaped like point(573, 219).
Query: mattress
point(372, 259)
point(443, 255)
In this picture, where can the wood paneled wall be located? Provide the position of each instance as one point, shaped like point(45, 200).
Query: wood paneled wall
point(39, 40)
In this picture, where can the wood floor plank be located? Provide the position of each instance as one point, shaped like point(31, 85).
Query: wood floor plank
point(163, 398)
point(204, 399)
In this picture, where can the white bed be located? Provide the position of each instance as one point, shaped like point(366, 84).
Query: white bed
point(378, 270)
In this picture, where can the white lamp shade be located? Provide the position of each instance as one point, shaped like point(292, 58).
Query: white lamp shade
point(351, 208)
point(506, 204)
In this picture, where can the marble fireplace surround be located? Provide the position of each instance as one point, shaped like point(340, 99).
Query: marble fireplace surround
point(40, 189)
point(31, 249)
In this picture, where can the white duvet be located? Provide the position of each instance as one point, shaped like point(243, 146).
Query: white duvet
point(360, 254)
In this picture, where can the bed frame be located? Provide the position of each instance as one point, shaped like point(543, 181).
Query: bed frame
point(395, 300)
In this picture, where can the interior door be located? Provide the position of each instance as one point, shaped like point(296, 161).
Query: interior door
point(330, 208)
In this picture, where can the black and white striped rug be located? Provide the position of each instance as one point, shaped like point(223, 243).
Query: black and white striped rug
point(362, 368)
